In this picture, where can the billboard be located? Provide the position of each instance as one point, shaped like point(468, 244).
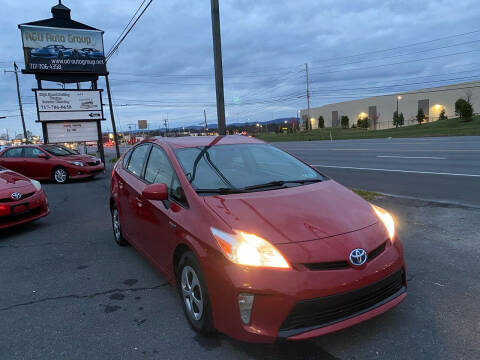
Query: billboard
point(142, 124)
point(62, 105)
point(48, 49)
point(60, 132)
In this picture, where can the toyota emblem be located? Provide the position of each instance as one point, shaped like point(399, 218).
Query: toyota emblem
point(358, 257)
point(16, 196)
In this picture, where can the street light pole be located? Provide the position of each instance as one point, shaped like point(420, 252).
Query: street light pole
point(217, 54)
point(15, 70)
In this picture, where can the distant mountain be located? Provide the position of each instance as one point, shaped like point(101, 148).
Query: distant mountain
point(215, 126)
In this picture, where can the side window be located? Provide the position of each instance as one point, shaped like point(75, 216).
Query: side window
point(158, 168)
point(31, 152)
point(137, 159)
point(13, 153)
point(126, 158)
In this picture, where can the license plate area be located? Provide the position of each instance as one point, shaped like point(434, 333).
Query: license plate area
point(19, 209)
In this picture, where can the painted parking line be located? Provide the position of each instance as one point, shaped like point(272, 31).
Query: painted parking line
point(411, 157)
point(398, 171)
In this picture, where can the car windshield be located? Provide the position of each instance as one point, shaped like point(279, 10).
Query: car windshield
point(57, 150)
point(243, 168)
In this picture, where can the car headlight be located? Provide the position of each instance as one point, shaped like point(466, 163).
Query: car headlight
point(37, 185)
point(249, 249)
point(76, 163)
point(387, 220)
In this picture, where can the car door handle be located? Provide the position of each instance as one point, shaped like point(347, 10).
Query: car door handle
point(120, 185)
point(173, 225)
point(139, 201)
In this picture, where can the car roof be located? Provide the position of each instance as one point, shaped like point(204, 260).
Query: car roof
point(201, 141)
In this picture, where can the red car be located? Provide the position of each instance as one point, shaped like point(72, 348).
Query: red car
point(50, 162)
point(21, 199)
point(260, 245)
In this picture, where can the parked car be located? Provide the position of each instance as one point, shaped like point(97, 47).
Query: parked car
point(52, 52)
point(21, 199)
point(259, 244)
point(90, 53)
point(3, 147)
point(50, 162)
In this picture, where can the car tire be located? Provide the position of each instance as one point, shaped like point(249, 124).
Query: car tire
point(117, 228)
point(60, 175)
point(194, 294)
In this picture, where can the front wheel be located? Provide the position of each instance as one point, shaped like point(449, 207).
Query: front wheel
point(194, 294)
point(60, 175)
point(117, 229)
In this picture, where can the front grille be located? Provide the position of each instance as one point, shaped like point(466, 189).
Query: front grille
point(339, 265)
point(9, 199)
point(334, 265)
point(93, 163)
point(316, 313)
point(22, 216)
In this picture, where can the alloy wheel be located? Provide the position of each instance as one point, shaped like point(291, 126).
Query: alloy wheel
point(60, 175)
point(116, 225)
point(192, 293)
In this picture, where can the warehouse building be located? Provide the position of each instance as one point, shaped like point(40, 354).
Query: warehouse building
point(379, 109)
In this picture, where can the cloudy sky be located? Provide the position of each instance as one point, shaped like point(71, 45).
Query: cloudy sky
point(355, 48)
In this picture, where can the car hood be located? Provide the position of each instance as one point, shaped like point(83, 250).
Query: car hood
point(11, 180)
point(297, 214)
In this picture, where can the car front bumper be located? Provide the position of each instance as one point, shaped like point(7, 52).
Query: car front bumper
point(81, 172)
point(32, 209)
point(336, 299)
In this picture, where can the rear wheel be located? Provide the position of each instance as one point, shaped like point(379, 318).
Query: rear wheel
point(194, 294)
point(60, 175)
point(117, 229)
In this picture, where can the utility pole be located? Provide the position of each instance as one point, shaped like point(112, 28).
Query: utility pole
point(15, 70)
point(114, 127)
point(165, 121)
point(308, 98)
point(205, 116)
point(217, 54)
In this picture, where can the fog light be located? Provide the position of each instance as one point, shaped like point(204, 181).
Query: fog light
point(245, 304)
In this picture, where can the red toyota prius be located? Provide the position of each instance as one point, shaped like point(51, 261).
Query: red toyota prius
point(260, 245)
point(21, 199)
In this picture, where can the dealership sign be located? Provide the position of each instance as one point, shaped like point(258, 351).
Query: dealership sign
point(62, 105)
point(59, 132)
point(49, 49)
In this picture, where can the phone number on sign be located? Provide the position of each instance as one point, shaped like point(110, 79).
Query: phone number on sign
point(55, 107)
point(45, 67)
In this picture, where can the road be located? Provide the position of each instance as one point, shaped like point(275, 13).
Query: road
point(68, 292)
point(439, 169)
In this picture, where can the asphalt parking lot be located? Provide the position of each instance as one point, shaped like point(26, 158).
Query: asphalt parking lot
point(68, 292)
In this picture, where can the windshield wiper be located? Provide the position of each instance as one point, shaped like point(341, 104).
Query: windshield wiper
point(221, 191)
point(280, 183)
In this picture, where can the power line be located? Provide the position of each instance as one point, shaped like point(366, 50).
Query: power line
point(127, 32)
point(398, 63)
point(402, 47)
point(126, 26)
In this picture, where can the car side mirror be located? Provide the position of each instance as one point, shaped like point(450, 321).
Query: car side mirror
point(158, 192)
point(42, 156)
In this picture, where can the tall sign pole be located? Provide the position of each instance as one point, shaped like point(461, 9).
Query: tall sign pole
point(217, 54)
point(114, 126)
point(25, 135)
